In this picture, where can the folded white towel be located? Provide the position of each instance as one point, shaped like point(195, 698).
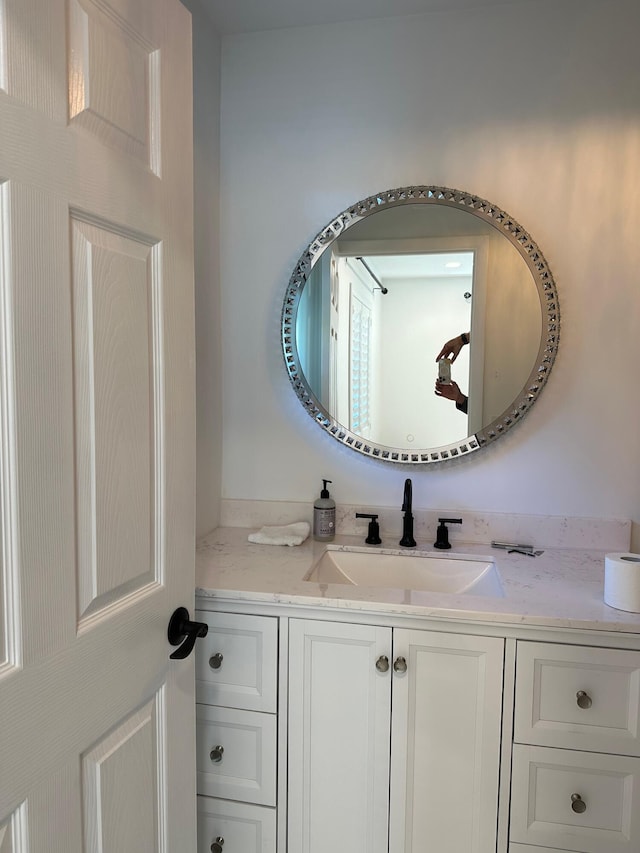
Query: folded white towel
point(287, 534)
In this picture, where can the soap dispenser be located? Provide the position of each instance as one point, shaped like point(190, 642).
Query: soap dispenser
point(324, 515)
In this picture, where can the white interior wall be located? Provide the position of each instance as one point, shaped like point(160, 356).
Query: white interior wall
point(512, 329)
point(206, 141)
point(534, 107)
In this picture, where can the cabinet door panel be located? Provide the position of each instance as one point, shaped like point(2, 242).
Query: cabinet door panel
point(445, 742)
point(339, 707)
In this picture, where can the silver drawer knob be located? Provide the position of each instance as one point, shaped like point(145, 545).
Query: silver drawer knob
point(400, 664)
point(217, 845)
point(578, 804)
point(216, 754)
point(382, 664)
point(583, 699)
point(215, 661)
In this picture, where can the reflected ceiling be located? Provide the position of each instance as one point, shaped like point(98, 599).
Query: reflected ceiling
point(238, 16)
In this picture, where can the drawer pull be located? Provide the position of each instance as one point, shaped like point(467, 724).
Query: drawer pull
point(400, 664)
point(217, 845)
point(583, 699)
point(382, 664)
point(578, 804)
point(216, 754)
point(215, 661)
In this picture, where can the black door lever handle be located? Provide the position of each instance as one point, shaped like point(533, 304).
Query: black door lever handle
point(182, 630)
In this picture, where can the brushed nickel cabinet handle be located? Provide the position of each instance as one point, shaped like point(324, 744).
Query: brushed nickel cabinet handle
point(215, 661)
point(382, 664)
point(400, 664)
point(578, 804)
point(217, 845)
point(216, 754)
point(583, 699)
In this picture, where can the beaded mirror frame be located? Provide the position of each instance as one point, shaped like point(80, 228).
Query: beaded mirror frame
point(549, 338)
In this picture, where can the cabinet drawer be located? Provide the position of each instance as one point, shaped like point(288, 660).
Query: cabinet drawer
point(236, 754)
point(242, 828)
point(236, 663)
point(545, 812)
point(578, 698)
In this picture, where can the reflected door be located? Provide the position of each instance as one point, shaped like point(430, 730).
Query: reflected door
point(97, 426)
point(360, 361)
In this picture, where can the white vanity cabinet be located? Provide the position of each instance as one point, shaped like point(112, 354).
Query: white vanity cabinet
point(394, 739)
point(359, 733)
point(236, 733)
point(576, 756)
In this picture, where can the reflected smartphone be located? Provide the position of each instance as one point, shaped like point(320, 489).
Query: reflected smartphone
point(444, 371)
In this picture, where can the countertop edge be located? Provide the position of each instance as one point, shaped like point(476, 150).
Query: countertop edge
point(560, 589)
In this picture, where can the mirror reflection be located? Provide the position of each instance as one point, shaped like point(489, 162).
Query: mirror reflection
point(382, 302)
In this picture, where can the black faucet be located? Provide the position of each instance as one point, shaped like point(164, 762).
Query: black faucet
point(407, 540)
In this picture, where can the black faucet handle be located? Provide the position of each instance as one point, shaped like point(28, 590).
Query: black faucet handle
point(442, 533)
point(373, 536)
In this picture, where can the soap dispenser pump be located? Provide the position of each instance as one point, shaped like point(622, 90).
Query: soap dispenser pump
point(324, 515)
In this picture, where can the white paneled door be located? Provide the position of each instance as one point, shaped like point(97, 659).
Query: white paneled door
point(96, 426)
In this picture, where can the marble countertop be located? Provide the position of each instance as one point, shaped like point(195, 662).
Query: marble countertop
point(561, 588)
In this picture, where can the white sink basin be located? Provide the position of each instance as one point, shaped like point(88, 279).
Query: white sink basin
point(401, 570)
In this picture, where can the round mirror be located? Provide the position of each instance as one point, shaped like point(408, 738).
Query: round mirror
point(420, 325)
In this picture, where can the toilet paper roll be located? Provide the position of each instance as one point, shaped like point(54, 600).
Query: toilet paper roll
point(622, 581)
